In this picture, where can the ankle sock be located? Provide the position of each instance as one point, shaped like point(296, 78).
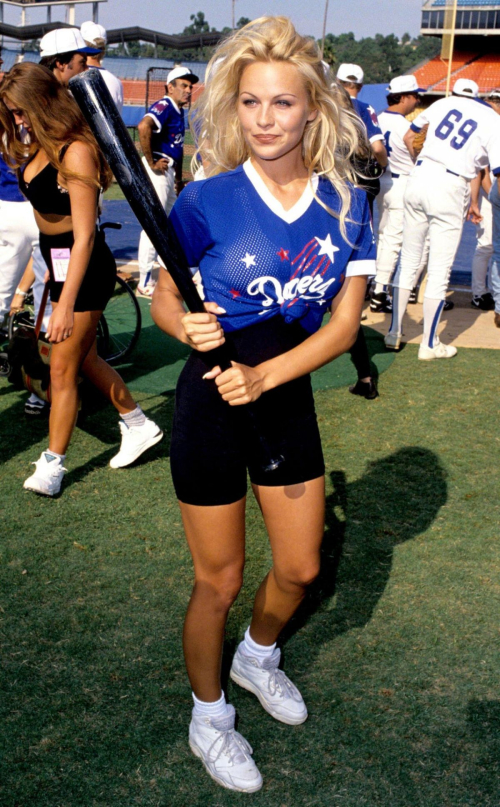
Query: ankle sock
point(400, 299)
point(210, 709)
point(134, 419)
point(34, 399)
point(258, 651)
point(49, 453)
point(379, 288)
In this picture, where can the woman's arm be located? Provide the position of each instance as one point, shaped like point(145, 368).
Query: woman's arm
point(79, 159)
point(23, 287)
point(242, 384)
point(200, 331)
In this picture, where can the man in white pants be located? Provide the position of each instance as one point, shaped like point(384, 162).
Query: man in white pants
point(18, 242)
point(481, 294)
point(462, 138)
point(161, 133)
point(95, 36)
point(403, 97)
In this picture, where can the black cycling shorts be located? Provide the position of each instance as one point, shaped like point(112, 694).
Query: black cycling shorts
point(99, 280)
point(213, 444)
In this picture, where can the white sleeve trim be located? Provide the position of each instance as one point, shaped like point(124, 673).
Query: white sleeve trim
point(150, 115)
point(355, 268)
point(375, 137)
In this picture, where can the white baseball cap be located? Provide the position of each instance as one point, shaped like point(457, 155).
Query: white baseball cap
point(92, 31)
point(494, 94)
point(466, 87)
point(403, 84)
point(64, 40)
point(181, 72)
point(350, 72)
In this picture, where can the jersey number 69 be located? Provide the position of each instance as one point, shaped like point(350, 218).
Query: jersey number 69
point(448, 124)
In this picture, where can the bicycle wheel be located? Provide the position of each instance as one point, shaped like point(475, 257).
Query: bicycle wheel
point(120, 325)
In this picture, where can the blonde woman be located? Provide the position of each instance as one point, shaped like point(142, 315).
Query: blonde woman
point(61, 173)
point(280, 236)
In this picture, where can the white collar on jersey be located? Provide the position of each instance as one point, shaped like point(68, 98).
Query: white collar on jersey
point(300, 206)
point(173, 103)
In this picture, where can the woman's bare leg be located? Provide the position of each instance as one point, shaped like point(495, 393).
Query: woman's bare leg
point(216, 538)
point(65, 361)
point(294, 516)
point(108, 381)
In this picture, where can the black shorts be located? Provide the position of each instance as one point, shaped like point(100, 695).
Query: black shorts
point(99, 281)
point(213, 444)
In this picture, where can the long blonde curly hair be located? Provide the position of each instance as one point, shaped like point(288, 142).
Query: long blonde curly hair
point(330, 141)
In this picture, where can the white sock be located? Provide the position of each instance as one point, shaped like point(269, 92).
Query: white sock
point(34, 399)
point(145, 279)
point(432, 314)
point(258, 651)
point(134, 419)
point(210, 709)
point(60, 457)
point(400, 299)
point(379, 288)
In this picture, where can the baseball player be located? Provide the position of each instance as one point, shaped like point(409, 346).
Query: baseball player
point(403, 97)
point(95, 36)
point(161, 133)
point(64, 51)
point(462, 138)
point(481, 295)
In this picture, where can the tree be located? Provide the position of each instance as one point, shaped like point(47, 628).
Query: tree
point(199, 24)
point(242, 22)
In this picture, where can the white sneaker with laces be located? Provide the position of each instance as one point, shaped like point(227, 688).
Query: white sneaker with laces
point(392, 340)
point(48, 475)
point(439, 351)
point(273, 688)
point(226, 755)
point(135, 441)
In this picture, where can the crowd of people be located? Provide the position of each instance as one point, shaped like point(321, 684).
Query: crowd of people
point(278, 228)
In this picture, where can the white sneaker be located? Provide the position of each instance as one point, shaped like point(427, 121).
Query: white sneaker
point(392, 340)
point(145, 291)
point(48, 475)
point(439, 351)
point(226, 755)
point(135, 441)
point(275, 691)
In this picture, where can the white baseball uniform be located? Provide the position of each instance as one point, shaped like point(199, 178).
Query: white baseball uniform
point(463, 137)
point(484, 247)
point(392, 188)
point(113, 84)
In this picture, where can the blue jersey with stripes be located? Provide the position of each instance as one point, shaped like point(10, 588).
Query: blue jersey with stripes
point(369, 118)
point(167, 140)
point(257, 260)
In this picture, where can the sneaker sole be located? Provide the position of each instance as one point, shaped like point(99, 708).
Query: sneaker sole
point(242, 682)
point(154, 440)
point(396, 346)
point(433, 358)
point(199, 753)
point(41, 492)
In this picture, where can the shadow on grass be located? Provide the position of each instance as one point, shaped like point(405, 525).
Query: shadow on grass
point(397, 498)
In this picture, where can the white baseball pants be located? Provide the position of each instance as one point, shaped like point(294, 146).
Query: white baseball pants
point(18, 241)
point(484, 249)
point(436, 203)
point(164, 185)
point(390, 203)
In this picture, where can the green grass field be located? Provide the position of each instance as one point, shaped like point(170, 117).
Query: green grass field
point(396, 650)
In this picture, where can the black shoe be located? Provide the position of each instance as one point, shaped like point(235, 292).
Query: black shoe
point(485, 302)
point(448, 305)
point(381, 302)
point(36, 408)
point(413, 298)
point(366, 389)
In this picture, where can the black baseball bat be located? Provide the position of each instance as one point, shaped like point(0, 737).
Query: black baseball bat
point(94, 99)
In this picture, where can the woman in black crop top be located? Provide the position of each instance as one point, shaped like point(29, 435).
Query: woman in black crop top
point(62, 173)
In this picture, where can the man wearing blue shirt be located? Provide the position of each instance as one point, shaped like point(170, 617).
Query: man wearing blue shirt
point(161, 133)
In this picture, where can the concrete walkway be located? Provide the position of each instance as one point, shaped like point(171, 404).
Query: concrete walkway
point(463, 326)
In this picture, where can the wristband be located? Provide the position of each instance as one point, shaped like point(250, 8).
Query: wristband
point(21, 292)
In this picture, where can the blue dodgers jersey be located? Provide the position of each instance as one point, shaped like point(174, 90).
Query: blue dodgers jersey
point(9, 188)
point(369, 118)
point(255, 264)
point(168, 139)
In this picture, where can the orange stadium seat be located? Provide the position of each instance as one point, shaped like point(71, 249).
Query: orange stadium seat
point(485, 71)
point(436, 69)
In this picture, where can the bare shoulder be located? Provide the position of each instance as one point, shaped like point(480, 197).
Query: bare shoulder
point(80, 158)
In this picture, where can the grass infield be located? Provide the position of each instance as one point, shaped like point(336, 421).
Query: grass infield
point(395, 649)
